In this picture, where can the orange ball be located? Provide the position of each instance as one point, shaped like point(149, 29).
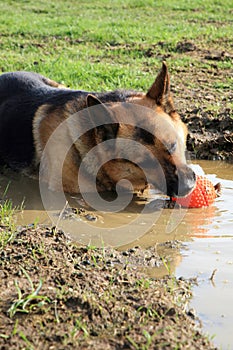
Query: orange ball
point(202, 195)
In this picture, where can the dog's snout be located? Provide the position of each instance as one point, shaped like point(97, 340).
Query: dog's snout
point(186, 181)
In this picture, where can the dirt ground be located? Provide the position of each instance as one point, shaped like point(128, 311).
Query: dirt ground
point(204, 99)
point(55, 295)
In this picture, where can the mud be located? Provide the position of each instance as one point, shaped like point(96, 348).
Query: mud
point(55, 295)
point(204, 98)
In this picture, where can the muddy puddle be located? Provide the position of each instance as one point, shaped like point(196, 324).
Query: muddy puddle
point(206, 235)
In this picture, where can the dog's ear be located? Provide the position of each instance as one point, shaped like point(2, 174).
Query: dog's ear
point(93, 101)
point(160, 90)
point(108, 127)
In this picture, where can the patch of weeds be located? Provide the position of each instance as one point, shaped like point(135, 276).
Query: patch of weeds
point(62, 290)
point(149, 313)
point(36, 222)
point(7, 219)
point(91, 247)
point(148, 341)
point(143, 282)
point(80, 326)
point(94, 259)
point(39, 252)
point(79, 331)
point(5, 237)
point(167, 266)
point(132, 342)
point(29, 345)
point(22, 335)
point(4, 336)
point(28, 302)
point(6, 213)
point(222, 85)
point(7, 222)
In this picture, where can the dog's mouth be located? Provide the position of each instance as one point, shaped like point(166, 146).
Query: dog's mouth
point(174, 182)
point(183, 183)
point(177, 194)
point(171, 180)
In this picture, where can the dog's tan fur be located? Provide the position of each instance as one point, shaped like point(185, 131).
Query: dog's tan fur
point(160, 117)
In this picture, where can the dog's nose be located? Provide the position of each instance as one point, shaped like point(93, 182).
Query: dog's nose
point(186, 180)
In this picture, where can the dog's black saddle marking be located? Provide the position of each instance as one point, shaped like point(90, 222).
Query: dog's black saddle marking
point(21, 94)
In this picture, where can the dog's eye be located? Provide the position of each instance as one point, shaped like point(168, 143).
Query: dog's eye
point(171, 147)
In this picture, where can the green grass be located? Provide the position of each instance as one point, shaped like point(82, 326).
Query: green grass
point(29, 301)
point(7, 222)
point(7, 219)
point(109, 41)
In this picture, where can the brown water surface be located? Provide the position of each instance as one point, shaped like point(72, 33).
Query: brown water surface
point(207, 234)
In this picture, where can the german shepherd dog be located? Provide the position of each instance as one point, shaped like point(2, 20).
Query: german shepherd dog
point(32, 107)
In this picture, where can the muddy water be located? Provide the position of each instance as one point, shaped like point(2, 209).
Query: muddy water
point(207, 234)
point(211, 251)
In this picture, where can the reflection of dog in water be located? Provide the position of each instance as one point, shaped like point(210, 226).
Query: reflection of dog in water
point(32, 107)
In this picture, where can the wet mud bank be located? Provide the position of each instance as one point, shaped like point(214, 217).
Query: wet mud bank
point(56, 295)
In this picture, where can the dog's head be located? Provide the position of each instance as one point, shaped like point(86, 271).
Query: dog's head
point(147, 140)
